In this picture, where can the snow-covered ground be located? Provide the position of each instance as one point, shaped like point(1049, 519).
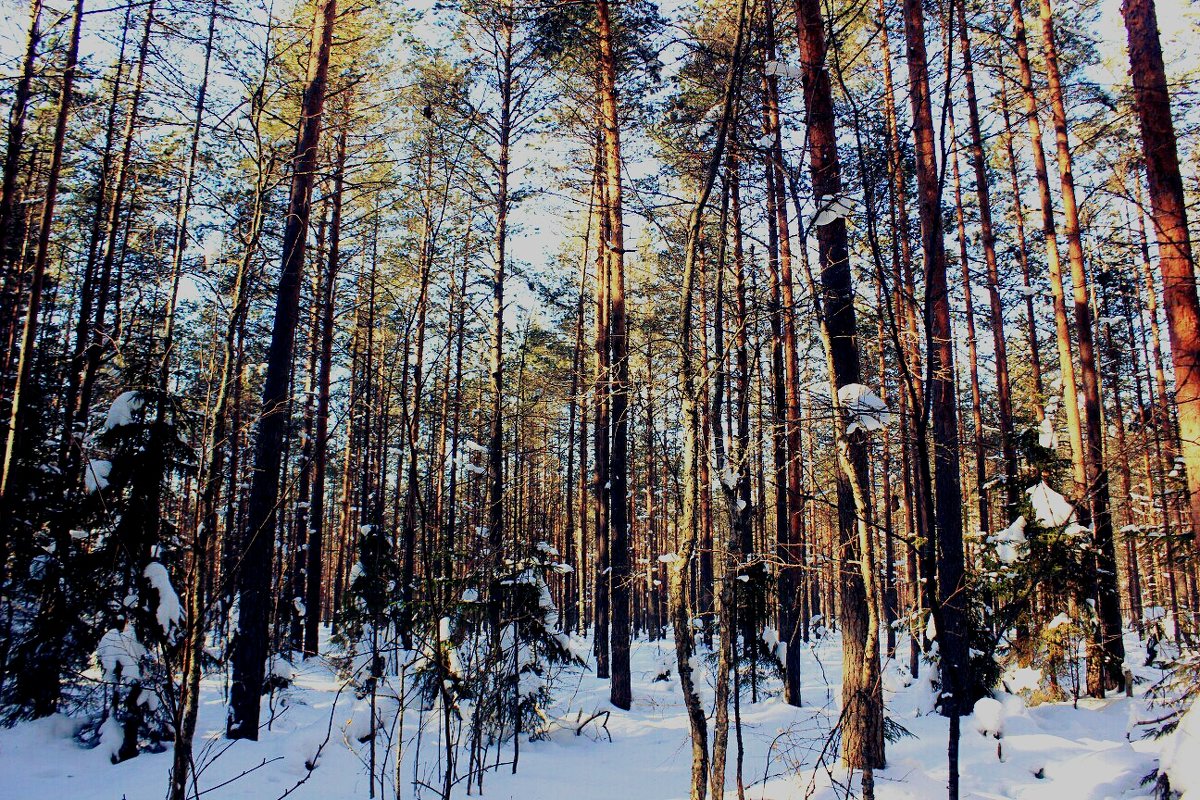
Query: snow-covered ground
point(1051, 751)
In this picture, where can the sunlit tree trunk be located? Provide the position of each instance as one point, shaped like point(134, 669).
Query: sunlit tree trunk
point(614, 249)
point(1110, 666)
point(1169, 212)
point(862, 721)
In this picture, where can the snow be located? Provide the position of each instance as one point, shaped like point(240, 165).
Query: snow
point(1009, 541)
point(868, 412)
point(169, 612)
point(470, 596)
point(1051, 508)
point(781, 69)
point(210, 247)
point(1052, 751)
point(1022, 679)
point(1061, 619)
point(123, 410)
point(1047, 436)
point(830, 208)
point(1180, 758)
point(112, 736)
point(282, 668)
point(988, 717)
point(120, 654)
point(95, 477)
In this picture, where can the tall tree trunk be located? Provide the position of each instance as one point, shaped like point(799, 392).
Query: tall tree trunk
point(614, 248)
point(601, 438)
point(1070, 393)
point(185, 201)
point(681, 618)
point(253, 577)
point(1109, 611)
point(495, 473)
point(16, 415)
point(1169, 212)
point(862, 700)
point(941, 406)
point(1035, 351)
point(211, 481)
point(9, 193)
point(981, 478)
point(316, 511)
point(988, 240)
point(791, 546)
point(102, 334)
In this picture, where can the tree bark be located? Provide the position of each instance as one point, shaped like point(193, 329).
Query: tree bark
point(614, 249)
point(862, 700)
point(16, 415)
point(950, 608)
point(1169, 212)
point(253, 577)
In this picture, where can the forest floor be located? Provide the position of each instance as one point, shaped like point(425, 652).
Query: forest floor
point(1058, 751)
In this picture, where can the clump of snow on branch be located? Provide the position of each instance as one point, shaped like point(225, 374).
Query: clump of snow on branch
point(831, 207)
point(988, 717)
point(170, 611)
point(868, 412)
point(1009, 541)
point(95, 477)
point(1051, 508)
point(123, 410)
point(781, 69)
point(120, 654)
point(1047, 436)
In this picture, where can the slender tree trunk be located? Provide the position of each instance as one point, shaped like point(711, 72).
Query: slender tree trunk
point(1053, 260)
point(941, 405)
point(102, 335)
point(10, 194)
point(988, 241)
point(862, 701)
point(981, 478)
point(211, 482)
point(495, 474)
point(1035, 351)
point(16, 415)
point(316, 510)
point(791, 545)
point(185, 200)
point(1112, 647)
point(254, 602)
point(679, 569)
point(601, 439)
point(614, 248)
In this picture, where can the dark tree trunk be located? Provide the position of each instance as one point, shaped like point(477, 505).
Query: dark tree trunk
point(950, 606)
point(862, 724)
point(16, 415)
point(250, 647)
